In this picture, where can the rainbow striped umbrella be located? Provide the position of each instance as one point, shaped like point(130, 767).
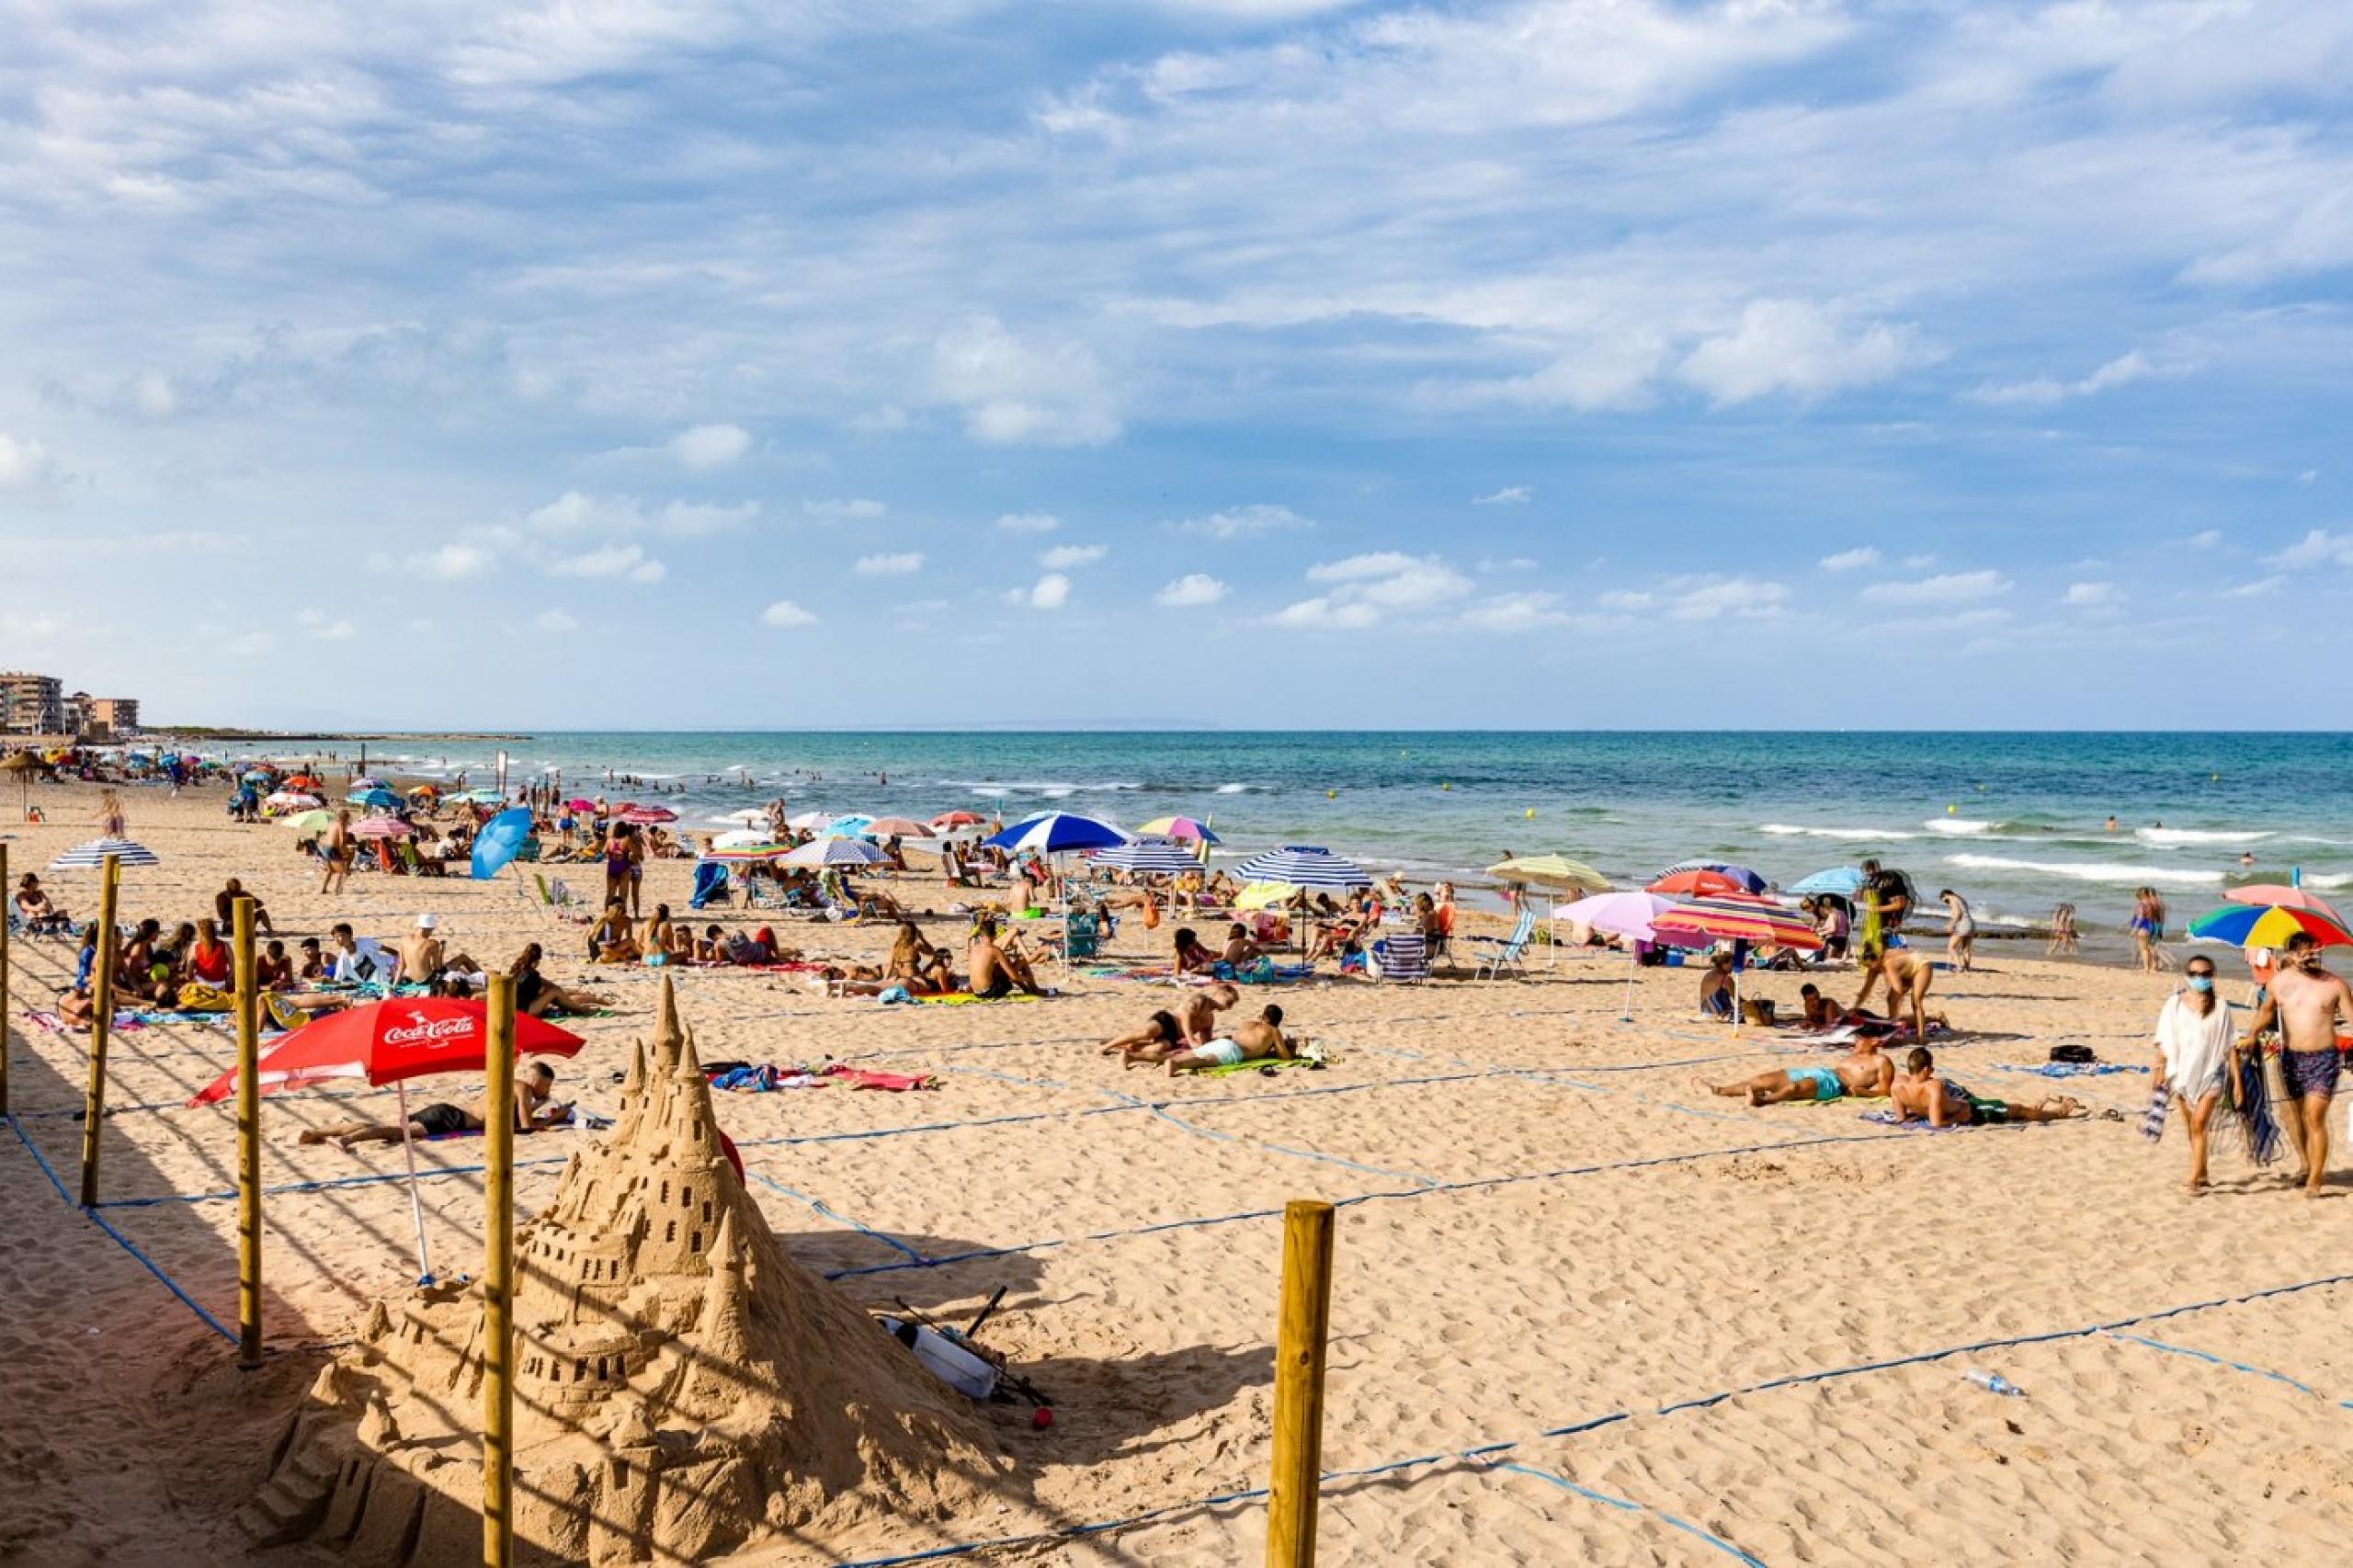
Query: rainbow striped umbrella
point(1734, 918)
point(741, 852)
point(2267, 925)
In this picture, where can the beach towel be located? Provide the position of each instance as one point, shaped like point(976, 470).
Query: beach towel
point(2068, 1069)
point(966, 999)
point(1254, 1064)
point(48, 1022)
point(864, 1078)
point(2252, 1106)
point(2153, 1120)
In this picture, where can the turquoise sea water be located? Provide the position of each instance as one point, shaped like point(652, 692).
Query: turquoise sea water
point(2015, 822)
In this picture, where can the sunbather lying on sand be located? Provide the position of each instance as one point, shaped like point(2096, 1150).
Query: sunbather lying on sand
point(1918, 1094)
point(534, 1109)
point(1254, 1039)
point(1867, 1072)
point(1163, 1034)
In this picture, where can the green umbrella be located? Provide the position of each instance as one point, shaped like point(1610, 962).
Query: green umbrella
point(310, 821)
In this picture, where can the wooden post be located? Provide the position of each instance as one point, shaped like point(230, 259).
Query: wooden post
point(248, 1139)
point(498, 1278)
point(3, 986)
point(1299, 1383)
point(94, 1103)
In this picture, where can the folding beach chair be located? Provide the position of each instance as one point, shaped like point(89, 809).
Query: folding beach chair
point(1402, 954)
point(1508, 953)
point(710, 885)
point(1081, 935)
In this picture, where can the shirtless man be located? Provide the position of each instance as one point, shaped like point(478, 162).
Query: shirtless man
point(1907, 974)
point(995, 972)
point(534, 1109)
point(424, 958)
point(1865, 1073)
point(1918, 1094)
point(1239, 948)
point(1163, 1034)
point(340, 851)
point(1252, 1040)
point(2304, 1002)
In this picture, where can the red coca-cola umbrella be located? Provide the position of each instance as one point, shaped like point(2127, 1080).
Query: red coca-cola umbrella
point(389, 1042)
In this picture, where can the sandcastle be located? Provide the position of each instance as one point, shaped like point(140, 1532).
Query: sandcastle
point(682, 1388)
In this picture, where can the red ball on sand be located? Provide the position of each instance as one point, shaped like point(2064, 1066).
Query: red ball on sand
point(1041, 1417)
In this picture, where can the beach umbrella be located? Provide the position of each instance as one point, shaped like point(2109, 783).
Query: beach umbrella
point(647, 816)
point(389, 1042)
point(1302, 866)
point(430, 791)
point(2284, 896)
point(1554, 872)
point(1844, 881)
point(737, 837)
point(895, 827)
point(24, 765)
point(837, 852)
point(1746, 880)
point(500, 840)
point(1734, 918)
point(847, 826)
point(1628, 914)
point(92, 854)
point(380, 827)
point(301, 781)
point(955, 819)
point(1699, 882)
point(2267, 925)
point(758, 849)
point(482, 796)
point(808, 822)
point(376, 800)
point(1147, 855)
point(750, 816)
point(1056, 833)
point(579, 804)
point(310, 821)
point(1179, 827)
point(291, 800)
point(258, 775)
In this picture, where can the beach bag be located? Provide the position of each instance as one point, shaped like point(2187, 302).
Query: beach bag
point(198, 997)
point(1757, 1010)
point(1151, 914)
point(2077, 1053)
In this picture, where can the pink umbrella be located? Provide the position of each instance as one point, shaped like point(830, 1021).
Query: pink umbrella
point(647, 816)
point(577, 805)
point(382, 827)
point(894, 827)
point(1633, 916)
point(2283, 897)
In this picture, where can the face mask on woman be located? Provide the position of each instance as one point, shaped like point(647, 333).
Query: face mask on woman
point(2201, 983)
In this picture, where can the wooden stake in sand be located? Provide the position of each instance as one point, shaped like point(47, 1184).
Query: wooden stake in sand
point(248, 1140)
point(94, 1106)
point(498, 1278)
point(4, 987)
point(1306, 1321)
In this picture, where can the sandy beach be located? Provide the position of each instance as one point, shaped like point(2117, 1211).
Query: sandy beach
point(1702, 1329)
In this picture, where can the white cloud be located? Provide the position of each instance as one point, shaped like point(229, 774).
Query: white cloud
point(2256, 589)
point(2089, 595)
point(1742, 596)
point(886, 419)
point(1509, 496)
point(1517, 612)
point(575, 511)
point(892, 565)
point(555, 620)
point(857, 510)
point(316, 625)
point(2043, 390)
point(1013, 392)
point(694, 519)
point(25, 466)
point(1192, 591)
point(1321, 614)
point(784, 612)
point(1853, 560)
point(1049, 592)
point(2318, 548)
point(1235, 522)
point(1062, 557)
point(1393, 580)
point(152, 395)
point(453, 563)
point(1951, 588)
point(1790, 345)
point(31, 628)
point(628, 560)
point(1627, 601)
point(1029, 522)
point(706, 446)
point(2206, 539)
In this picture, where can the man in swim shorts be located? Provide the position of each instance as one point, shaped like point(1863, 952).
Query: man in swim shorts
point(995, 972)
point(1193, 1023)
point(1918, 1094)
point(534, 1110)
point(2306, 1002)
point(1865, 1072)
point(1254, 1039)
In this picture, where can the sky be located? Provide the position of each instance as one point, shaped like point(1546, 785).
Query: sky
point(1549, 364)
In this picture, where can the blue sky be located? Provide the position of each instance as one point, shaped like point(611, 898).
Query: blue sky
point(1592, 363)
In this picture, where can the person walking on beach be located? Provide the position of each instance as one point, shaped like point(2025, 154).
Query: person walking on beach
point(2148, 930)
point(2304, 1002)
point(1961, 941)
point(111, 821)
point(2194, 1044)
point(340, 852)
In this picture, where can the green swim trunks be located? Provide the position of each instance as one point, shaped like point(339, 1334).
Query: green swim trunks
point(1987, 1113)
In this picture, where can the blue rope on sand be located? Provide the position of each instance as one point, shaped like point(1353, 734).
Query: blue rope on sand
point(120, 1240)
point(1565, 1484)
point(2224, 1361)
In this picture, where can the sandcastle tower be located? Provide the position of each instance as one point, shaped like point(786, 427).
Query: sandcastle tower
point(682, 1388)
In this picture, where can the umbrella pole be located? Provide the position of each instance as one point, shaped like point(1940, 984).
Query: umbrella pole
point(1633, 964)
point(415, 1204)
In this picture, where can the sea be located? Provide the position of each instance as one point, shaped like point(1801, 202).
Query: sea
point(2017, 822)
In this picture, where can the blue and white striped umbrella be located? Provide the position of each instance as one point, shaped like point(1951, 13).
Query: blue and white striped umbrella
point(1302, 866)
point(1158, 855)
point(837, 852)
point(92, 854)
point(1057, 832)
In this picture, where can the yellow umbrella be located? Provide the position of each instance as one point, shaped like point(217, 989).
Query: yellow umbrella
point(1555, 873)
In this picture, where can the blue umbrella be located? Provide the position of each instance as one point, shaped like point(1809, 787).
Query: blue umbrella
point(1147, 855)
point(848, 826)
point(1055, 833)
point(1751, 881)
point(500, 840)
point(1302, 866)
point(378, 798)
point(1844, 880)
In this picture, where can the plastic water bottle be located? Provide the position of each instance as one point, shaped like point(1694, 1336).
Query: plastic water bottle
point(1993, 1382)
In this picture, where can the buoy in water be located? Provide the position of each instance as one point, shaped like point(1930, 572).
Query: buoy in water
point(1330, 794)
point(1950, 810)
point(1445, 785)
point(1531, 812)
